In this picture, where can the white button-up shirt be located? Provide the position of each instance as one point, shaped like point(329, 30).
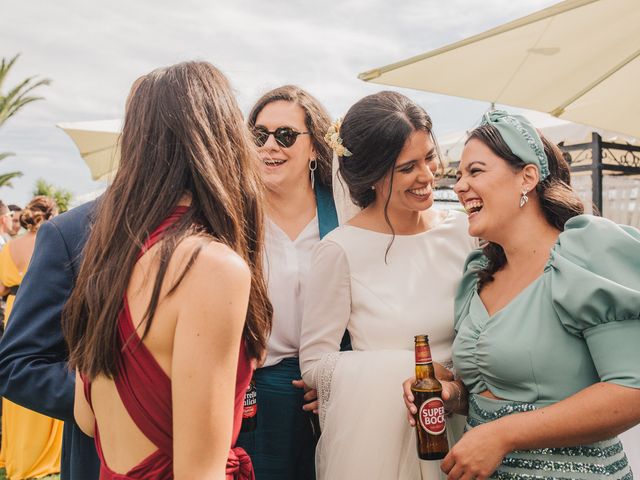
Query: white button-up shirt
point(286, 266)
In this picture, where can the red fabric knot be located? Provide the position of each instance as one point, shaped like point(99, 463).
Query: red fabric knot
point(239, 466)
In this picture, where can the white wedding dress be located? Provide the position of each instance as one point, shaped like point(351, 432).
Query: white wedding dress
point(383, 304)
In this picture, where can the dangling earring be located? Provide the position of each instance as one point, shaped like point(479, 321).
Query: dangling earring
point(523, 198)
point(313, 164)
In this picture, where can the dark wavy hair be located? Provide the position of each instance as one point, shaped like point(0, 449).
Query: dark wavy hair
point(183, 133)
point(558, 201)
point(317, 121)
point(375, 130)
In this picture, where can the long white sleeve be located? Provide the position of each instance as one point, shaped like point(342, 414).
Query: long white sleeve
point(384, 296)
point(327, 308)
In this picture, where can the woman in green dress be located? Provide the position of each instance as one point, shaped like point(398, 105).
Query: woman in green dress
point(547, 318)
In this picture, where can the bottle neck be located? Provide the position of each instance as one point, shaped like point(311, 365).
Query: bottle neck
point(424, 371)
point(424, 364)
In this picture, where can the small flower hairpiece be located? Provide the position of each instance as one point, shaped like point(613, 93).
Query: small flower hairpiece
point(334, 140)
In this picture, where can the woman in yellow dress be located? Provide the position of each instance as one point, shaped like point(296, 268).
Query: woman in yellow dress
point(31, 442)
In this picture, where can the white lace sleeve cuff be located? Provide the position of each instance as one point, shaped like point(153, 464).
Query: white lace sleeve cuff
point(324, 374)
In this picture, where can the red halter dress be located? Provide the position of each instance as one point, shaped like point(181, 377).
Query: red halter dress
point(145, 391)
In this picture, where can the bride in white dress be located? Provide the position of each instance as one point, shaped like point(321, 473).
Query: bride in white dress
point(388, 274)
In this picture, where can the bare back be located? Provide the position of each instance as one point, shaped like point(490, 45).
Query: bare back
point(199, 324)
point(21, 250)
point(123, 444)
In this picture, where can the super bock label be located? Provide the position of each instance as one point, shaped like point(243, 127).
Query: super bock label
point(431, 416)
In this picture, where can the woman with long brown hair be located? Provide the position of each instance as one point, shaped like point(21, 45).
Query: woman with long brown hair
point(170, 306)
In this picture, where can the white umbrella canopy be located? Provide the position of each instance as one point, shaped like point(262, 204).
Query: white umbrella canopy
point(578, 60)
point(568, 133)
point(98, 145)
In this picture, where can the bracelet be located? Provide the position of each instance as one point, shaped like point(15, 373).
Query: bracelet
point(458, 397)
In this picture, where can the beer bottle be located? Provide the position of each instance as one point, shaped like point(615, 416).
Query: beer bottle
point(431, 429)
point(250, 410)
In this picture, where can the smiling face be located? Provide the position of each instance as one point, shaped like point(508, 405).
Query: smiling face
point(284, 167)
point(411, 189)
point(489, 189)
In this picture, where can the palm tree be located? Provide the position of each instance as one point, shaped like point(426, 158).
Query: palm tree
point(16, 98)
point(62, 196)
point(5, 178)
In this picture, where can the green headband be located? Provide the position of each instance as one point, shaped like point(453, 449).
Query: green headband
point(521, 137)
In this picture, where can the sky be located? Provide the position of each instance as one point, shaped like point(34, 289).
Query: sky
point(92, 52)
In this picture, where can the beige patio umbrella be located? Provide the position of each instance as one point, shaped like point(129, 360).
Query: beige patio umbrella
point(577, 60)
point(98, 145)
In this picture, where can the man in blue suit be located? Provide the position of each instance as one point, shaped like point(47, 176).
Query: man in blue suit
point(33, 354)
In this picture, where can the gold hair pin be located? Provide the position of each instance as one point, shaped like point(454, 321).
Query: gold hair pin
point(334, 140)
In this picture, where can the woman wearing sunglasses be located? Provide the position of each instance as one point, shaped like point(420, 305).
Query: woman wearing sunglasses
point(288, 126)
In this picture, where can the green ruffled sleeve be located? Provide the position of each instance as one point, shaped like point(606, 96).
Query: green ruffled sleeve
point(469, 284)
point(595, 290)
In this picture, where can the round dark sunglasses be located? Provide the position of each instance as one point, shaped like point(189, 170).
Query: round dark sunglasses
point(285, 136)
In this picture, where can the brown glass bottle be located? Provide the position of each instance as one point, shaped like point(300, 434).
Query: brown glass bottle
point(250, 410)
point(431, 428)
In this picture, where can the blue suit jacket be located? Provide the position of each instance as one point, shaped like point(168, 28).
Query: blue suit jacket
point(33, 354)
